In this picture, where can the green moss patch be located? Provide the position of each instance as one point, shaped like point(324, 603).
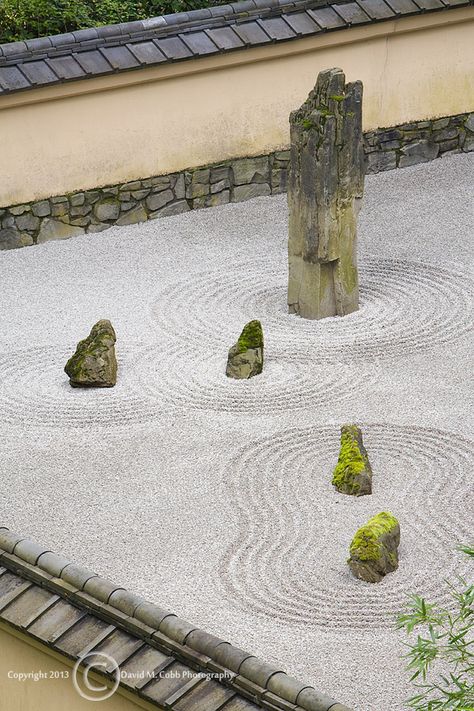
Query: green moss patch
point(251, 336)
point(351, 461)
point(366, 544)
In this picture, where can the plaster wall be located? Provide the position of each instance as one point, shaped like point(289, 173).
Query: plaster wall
point(50, 694)
point(160, 120)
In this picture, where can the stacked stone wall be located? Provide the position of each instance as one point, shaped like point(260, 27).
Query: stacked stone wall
point(94, 210)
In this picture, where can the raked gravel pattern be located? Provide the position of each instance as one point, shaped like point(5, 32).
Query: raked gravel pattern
point(213, 497)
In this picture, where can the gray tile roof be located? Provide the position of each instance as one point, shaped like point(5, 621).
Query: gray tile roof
point(189, 35)
point(74, 611)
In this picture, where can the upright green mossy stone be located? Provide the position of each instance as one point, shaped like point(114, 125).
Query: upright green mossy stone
point(353, 473)
point(374, 548)
point(94, 364)
point(245, 358)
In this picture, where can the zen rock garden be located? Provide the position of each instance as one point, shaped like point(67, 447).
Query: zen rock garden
point(326, 182)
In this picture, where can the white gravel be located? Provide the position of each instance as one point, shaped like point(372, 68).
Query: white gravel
point(213, 497)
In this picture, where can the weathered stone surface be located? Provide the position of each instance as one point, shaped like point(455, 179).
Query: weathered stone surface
point(140, 194)
point(218, 199)
point(137, 214)
point(195, 190)
point(27, 221)
point(251, 170)
point(94, 364)
point(245, 358)
point(446, 134)
point(107, 209)
point(98, 227)
point(176, 208)
point(59, 210)
point(12, 239)
point(448, 146)
point(353, 473)
point(378, 161)
point(154, 202)
point(247, 192)
point(438, 124)
point(179, 187)
point(221, 185)
point(220, 172)
point(53, 229)
point(80, 211)
point(374, 548)
point(468, 144)
point(325, 185)
point(41, 209)
point(19, 209)
point(91, 196)
point(418, 152)
point(77, 200)
point(279, 180)
point(470, 123)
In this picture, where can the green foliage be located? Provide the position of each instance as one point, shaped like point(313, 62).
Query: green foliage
point(27, 19)
point(442, 657)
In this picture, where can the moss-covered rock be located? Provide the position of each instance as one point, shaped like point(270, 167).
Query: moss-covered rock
point(374, 548)
point(94, 364)
point(353, 473)
point(245, 358)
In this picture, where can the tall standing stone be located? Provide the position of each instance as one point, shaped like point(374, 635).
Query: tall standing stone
point(325, 185)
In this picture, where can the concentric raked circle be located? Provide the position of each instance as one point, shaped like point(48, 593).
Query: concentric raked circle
point(195, 380)
point(405, 307)
point(288, 560)
point(35, 391)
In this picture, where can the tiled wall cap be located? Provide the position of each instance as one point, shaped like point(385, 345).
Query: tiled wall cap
point(8, 540)
point(231, 657)
point(153, 23)
point(77, 575)
point(53, 563)
point(203, 642)
point(176, 628)
point(100, 588)
point(125, 601)
point(29, 551)
point(286, 686)
point(312, 700)
point(257, 671)
point(151, 615)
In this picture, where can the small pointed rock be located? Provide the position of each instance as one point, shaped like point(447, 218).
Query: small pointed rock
point(374, 548)
point(246, 357)
point(353, 473)
point(94, 364)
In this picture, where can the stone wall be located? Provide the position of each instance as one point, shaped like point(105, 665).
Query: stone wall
point(240, 179)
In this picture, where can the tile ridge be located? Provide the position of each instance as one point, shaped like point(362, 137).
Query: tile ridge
point(269, 685)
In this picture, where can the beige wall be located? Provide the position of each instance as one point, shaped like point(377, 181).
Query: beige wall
point(159, 120)
point(17, 655)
